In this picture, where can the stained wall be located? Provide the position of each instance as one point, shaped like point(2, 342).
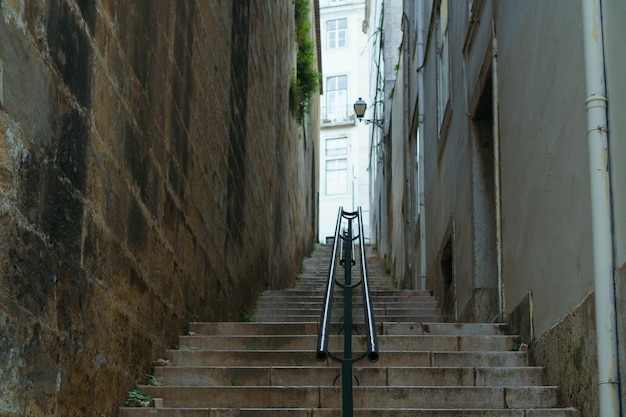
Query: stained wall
point(150, 175)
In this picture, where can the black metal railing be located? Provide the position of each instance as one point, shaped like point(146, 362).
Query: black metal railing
point(346, 258)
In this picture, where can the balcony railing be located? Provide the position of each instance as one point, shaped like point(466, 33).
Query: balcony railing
point(336, 116)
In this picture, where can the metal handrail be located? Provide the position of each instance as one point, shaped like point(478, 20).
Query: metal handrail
point(372, 343)
point(322, 352)
point(322, 343)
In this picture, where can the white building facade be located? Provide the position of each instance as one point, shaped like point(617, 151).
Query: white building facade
point(344, 142)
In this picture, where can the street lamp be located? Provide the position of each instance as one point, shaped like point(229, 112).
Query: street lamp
point(359, 109)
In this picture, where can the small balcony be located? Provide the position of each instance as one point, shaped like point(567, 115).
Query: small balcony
point(332, 117)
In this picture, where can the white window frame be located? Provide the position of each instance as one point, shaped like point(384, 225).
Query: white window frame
point(336, 98)
point(336, 166)
point(443, 61)
point(336, 36)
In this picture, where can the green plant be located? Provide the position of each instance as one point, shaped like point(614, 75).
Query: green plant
point(236, 383)
point(247, 316)
point(515, 347)
point(306, 79)
point(136, 398)
point(151, 380)
point(300, 272)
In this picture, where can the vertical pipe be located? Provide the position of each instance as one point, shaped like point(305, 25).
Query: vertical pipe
point(602, 233)
point(420, 143)
point(496, 160)
point(408, 239)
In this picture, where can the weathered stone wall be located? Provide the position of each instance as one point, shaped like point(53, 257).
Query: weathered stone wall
point(567, 351)
point(150, 175)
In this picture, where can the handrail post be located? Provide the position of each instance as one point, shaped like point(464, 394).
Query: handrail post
point(346, 365)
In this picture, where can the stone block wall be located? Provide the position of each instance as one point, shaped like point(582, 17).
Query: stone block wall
point(150, 175)
point(568, 353)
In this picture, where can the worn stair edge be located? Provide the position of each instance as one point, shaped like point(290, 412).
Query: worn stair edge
point(364, 397)
point(385, 342)
point(334, 412)
point(364, 376)
point(303, 358)
point(383, 327)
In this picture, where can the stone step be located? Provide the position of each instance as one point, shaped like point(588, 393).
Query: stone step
point(337, 318)
point(311, 328)
point(335, 412)
point(253, 328)
point(458, 329)
point(364, 376)
point(288, 303)
point(320, 273)
point(307, 358)
point(426, 367)
point(315, 289)
point(320, 277)
point(318, 301)
point(373, 293)
point(357, 311)
point(385, 342)
point(330, 397)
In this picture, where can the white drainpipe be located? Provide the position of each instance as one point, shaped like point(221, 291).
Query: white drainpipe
point(598, 139)
point(420, 129)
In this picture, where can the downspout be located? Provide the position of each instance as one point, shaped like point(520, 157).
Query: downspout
point(420, 143)
point(602, 233)
point(496, 159)
point(407, 200)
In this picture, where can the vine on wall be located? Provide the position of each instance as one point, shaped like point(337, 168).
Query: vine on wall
point(305, 82)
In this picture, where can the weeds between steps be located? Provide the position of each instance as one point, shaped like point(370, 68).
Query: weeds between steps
point(152, 380)
point(137, 398)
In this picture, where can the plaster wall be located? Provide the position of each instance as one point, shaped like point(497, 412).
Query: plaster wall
point(448, 177)
point(397, 150)
point(545, 187)
point(150, 175)
point(546, 216)
point(614, 16)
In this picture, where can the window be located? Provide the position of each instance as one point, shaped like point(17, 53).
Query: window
point(336, 176)
point(336, 147)
point(443, 66)
point(336, 98)
point(336, 166)
point(336, 33)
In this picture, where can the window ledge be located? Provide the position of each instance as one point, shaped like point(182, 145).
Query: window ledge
point(334, 123)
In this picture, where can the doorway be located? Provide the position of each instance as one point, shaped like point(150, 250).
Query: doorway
point(484, 171)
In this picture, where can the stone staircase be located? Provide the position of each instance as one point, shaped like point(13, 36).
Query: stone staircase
point(426, 368)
